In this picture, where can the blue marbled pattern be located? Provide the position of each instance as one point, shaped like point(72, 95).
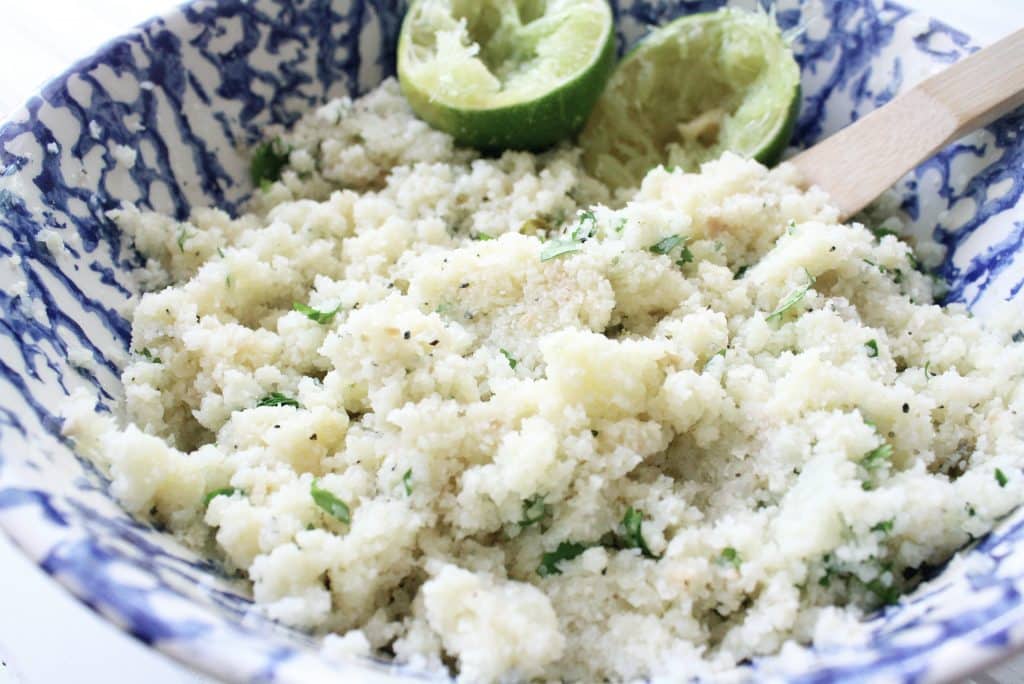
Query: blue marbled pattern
point(188, 91)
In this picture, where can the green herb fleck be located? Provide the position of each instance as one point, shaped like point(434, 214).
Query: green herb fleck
point(550, 560)
point(407, 482)
point(316, 315)
point(882, 232)
point(1018, 337)
point(666, 245)
point(268, 160)
point(632, 522)
point(621, 225)
point(885, 527)
point(741, 271)
point(220, 252)
point(512, 362)
point(148, 355)
point(927, 370)
point(480, 235)
point(872, 346)
point(222, 491)
point(1001, 478)
point(534, 510)
point(329, 502)
point(277, 399)
point(876, 457)
point(793, 298)
point(586, 216)
point(730, 556)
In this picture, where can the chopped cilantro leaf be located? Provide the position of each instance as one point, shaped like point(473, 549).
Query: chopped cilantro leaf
point(1001, 478)
point(685, 256)
point(222, 491)
point(407, 482)
point(550, 560)
point(329, 502)
point(316, 315)
point(792, 299)
point(666, 245)
point(183, 236)
point(480, 235)
point(620, 226)
point(277, 399)
point(556, 248)
point(730, 556)
point(874, 458)
point(872, 346)
point(268, 160)
point(741, 271)
point(885, 527)
point(632, 522)
point(512, 362)
point(586, 216)
point(534, 510)
point(148, 355)
point(888, 594)
point(882, 232)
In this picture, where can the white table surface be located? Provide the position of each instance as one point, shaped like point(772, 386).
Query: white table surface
point(47, 636)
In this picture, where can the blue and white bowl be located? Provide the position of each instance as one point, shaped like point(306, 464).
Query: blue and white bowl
point(161, 117)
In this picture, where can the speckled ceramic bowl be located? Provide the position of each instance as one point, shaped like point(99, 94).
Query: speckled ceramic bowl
point(186, 92)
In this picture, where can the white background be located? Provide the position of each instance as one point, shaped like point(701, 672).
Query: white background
point(45, 635)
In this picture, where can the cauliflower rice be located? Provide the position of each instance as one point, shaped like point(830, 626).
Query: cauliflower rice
point(514, 438)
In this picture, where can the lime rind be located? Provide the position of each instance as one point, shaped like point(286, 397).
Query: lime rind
point(497, 74)
point(693, 89)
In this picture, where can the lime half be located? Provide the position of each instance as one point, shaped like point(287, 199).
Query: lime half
point(498, 74)
point(693, 89)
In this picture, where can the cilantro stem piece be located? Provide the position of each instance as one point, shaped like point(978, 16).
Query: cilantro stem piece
point(329, 502)
point(512, 362)
point(277, 399)
point(632, 523)
point(872, 346)
point(222, 491)
point(316, 315)
point(407, 482)
point(565, 551)
point(268, 160)
point(793, 298)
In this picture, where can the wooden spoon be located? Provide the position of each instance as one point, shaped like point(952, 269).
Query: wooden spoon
point(865, 159)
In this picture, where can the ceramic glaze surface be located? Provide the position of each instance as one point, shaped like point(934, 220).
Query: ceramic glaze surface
point(188, 92)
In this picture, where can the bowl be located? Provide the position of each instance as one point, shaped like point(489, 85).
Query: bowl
point(161, 116)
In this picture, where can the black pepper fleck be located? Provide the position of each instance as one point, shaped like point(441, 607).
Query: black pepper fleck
point(463, 286)
point(906, 408)
point(406, 335)
point(434, 343)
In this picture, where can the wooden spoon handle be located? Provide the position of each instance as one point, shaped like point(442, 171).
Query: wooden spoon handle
point(863, 160)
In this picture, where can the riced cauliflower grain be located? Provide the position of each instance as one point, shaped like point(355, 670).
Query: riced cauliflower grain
point(710, 422)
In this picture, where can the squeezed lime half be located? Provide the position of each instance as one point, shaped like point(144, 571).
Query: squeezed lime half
point(695, 88)
point(501, 74)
